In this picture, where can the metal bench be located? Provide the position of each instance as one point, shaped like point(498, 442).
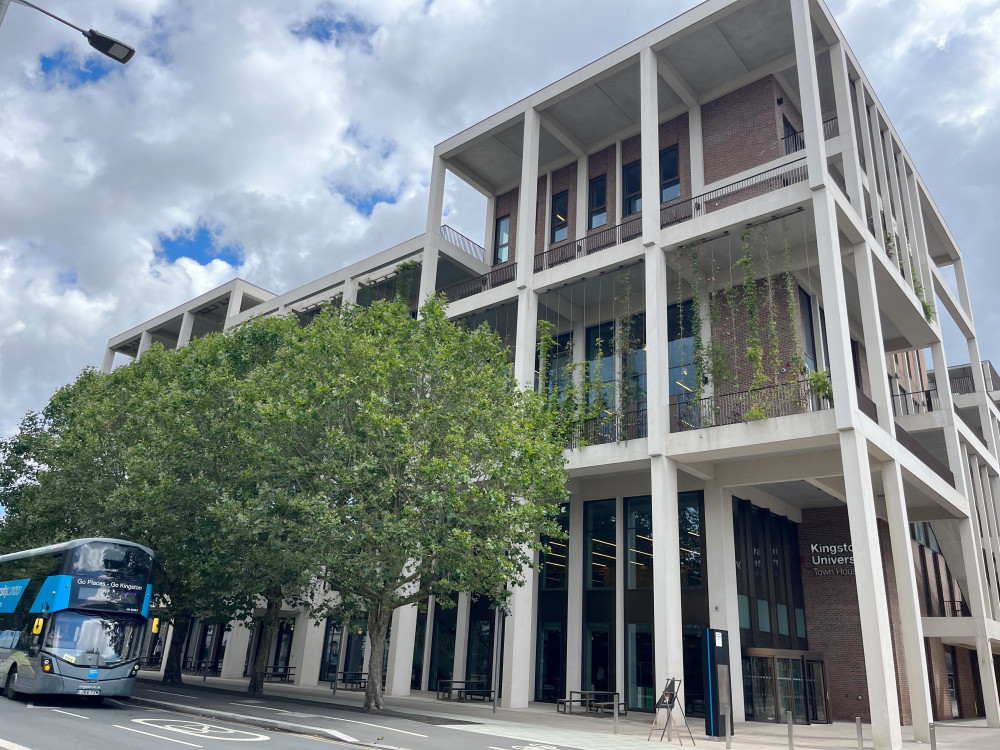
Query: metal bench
point(282, 674)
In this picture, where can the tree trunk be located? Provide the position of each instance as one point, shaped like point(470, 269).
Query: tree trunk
point(264, 644)
point(178, 636)
point(378, 625)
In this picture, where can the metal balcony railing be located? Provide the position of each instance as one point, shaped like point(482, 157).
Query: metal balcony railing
point(462, 242)
point(594, 242)
point(497, 277)
point(733, 408)
point(955, 608)
point(918, 402)
point(796, 141)
point(629, 425)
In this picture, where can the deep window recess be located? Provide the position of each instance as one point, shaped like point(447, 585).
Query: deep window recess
point(680, 349)
point(670, 178)
point(598, 215)
point(599, 543)
point(601, 356)
point(560, 217)
point(501, 241)
point(632, 188)
point(555, 562)
point(808, 338)
point(639, 541)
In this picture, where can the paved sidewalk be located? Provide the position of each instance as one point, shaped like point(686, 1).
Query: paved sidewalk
point(540, 724)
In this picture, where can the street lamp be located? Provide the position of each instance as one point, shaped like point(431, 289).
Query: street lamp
point(101, 42)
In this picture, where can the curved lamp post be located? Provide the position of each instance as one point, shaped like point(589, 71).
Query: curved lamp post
point(101, 42)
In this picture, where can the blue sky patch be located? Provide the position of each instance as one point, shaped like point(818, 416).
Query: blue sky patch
point(341, 30)
point(199, 244)
point(364, 203)
point(63, 67)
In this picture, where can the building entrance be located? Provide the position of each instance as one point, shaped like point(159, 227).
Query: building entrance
point(778, 682)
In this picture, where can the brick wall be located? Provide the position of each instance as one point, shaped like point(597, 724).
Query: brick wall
point(744, 128)
point(506, 205)
point(966, 684)
point(938, 679)
point(677, 133)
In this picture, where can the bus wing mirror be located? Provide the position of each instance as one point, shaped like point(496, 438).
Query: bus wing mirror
point(156, 624)
point(37, 627)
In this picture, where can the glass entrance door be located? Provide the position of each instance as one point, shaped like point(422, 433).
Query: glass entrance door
point(791, 690)
point(816, 691)
point(550, 670)
point(598, 666)
point(639, 667)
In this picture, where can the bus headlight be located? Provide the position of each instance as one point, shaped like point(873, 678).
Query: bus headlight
point(135, 669)
point(46, 664)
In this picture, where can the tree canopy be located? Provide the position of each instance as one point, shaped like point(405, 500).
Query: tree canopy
point(387, 457)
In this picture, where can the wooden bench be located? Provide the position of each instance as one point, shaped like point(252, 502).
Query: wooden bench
point(282, 674)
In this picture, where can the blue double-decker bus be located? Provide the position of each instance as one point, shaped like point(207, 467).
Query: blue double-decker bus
point(72, 617)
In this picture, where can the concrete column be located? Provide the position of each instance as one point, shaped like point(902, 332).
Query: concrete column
point(518, 637)
point(696, 141)
point(650, 144)
point(145, 341)
point(879, 168)
point(812, 113)
point(845, 122)
point(233, 308)
point(167, 637)
point(435, 200)
point(109, 360)
point(524, 348)
point(574, 597)
point(400, 669)
point(871, 322)
point(236, 652)
point(425, 670)
point(668, 632)
point(307, 649)
point(972, 558)
point(657, 360)
point(582, 196)
point(490, 235)
point(621, 553)
point(428, 271)
point(908, 243)
point(914, 655)
point(350, 294)
point(461, 637)
point(527, 200)
point(876, 636)
point(984, 521)
point(902, 258)
point(866, 144)
point(187, 325)
point(720, 563)
point(617, 218)
point(368, 655)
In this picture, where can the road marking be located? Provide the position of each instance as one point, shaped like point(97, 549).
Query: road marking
point(202, 730)
point(159, 737)
point(333, 718)
point(294, 714)
point(7, 745)
point(164, 692)
point(79, 716)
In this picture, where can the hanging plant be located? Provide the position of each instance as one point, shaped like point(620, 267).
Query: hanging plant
point(821, 385)
point(797, 360)
point(773, 341)
point(698, 356)
point(754, 347)
point(918, 289)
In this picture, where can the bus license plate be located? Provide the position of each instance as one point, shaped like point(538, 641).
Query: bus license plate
point(88, 691)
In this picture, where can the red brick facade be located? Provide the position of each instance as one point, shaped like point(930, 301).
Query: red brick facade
point(506, 205)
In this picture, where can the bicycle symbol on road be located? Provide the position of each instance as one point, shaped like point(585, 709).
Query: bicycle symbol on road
point(202, 730)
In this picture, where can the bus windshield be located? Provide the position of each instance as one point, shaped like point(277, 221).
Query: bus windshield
point(94, 640)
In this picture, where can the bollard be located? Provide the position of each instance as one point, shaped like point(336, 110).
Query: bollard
point(791, 738)
point(933, 736)
point(861, 737)
point(616, 713)
point(725, 718)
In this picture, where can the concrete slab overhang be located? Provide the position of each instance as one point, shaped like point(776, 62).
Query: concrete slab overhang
point(961, 631)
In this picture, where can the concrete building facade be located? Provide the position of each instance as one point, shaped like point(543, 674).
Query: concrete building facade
point(721, 226)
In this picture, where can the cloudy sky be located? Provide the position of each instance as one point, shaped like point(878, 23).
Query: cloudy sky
point(278, 141)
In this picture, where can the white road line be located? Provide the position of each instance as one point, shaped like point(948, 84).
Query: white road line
point(150, 734)
point(265, 708)
point(7, 745)
point(334, 718)
point(164, 692)
point(79, 716)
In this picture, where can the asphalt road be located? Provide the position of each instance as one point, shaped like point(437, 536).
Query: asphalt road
point(59, 723)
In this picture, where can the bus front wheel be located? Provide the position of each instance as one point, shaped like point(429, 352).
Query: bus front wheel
point(9, 690)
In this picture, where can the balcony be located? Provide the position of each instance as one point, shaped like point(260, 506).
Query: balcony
point(462, 242)
point(614, 428)
point(564, 252)
point(796, 141)
point(918, 402)
point(911, 444)
point(497, 277)
point(746, 406)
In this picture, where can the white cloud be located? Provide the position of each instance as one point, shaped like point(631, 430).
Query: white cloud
point(226, 118)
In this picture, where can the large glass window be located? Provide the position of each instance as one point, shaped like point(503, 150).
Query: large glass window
point(639, 684)
point(555, 563)
point(88, 640)
point(634, 359)
point(639, 539)
point(808, 337)
point(600, 355)
point(560, 217)
point(689, 517)
point(632, 188)
point(670, 178)
point(501, 241)
point(598, 214)
point(559, 371)
point(602, 552)
point(680, 349)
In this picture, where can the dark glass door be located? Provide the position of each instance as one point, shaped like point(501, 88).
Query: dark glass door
point(550, 671)
point(598, 664)
point(816, 691)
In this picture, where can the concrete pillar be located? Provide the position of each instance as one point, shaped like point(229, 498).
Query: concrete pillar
point(187, 325)
point(582, 196)
point(236, 652)
point(233, 308)
point(972, 557)
point(914, 655)
point(621, 553)
point(574, 597)
point(812, 113)
point(902, 259)
point(650, 145)
point(307, 649)
point(908, 241)
point(109, 360)
point(350, 294)
point(871, 322)
point(876, 636)
point(696, 142)
point(879, 168)
point(425, 670)
point(526, 199)
point(720, 563)
point(490, 235)
point(866, 143)
point(845, 123)
point(461, 637)
point(668, 634)
point(518, 637)
point(428, 271)
point(984, 522)
point(657, 359)
point(400, 668)
point(435, 200)
point(145, 341)
point(524, 348)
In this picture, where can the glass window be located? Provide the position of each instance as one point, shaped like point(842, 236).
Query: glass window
point(743, 601)
point(808, 338)
point(559, 366)
point(599, 542)
point(680, 348)
point(598, 202)
point(763, 616)
point(800, 622)
point(639, 539)
point(600, 356)
point(782, 619)
point(634, 359)
point(560, 217)
point(501, 241)
point(632, 188)
point(88, 640)
point(554, 564)
point(670, 179)
point(692, 549)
